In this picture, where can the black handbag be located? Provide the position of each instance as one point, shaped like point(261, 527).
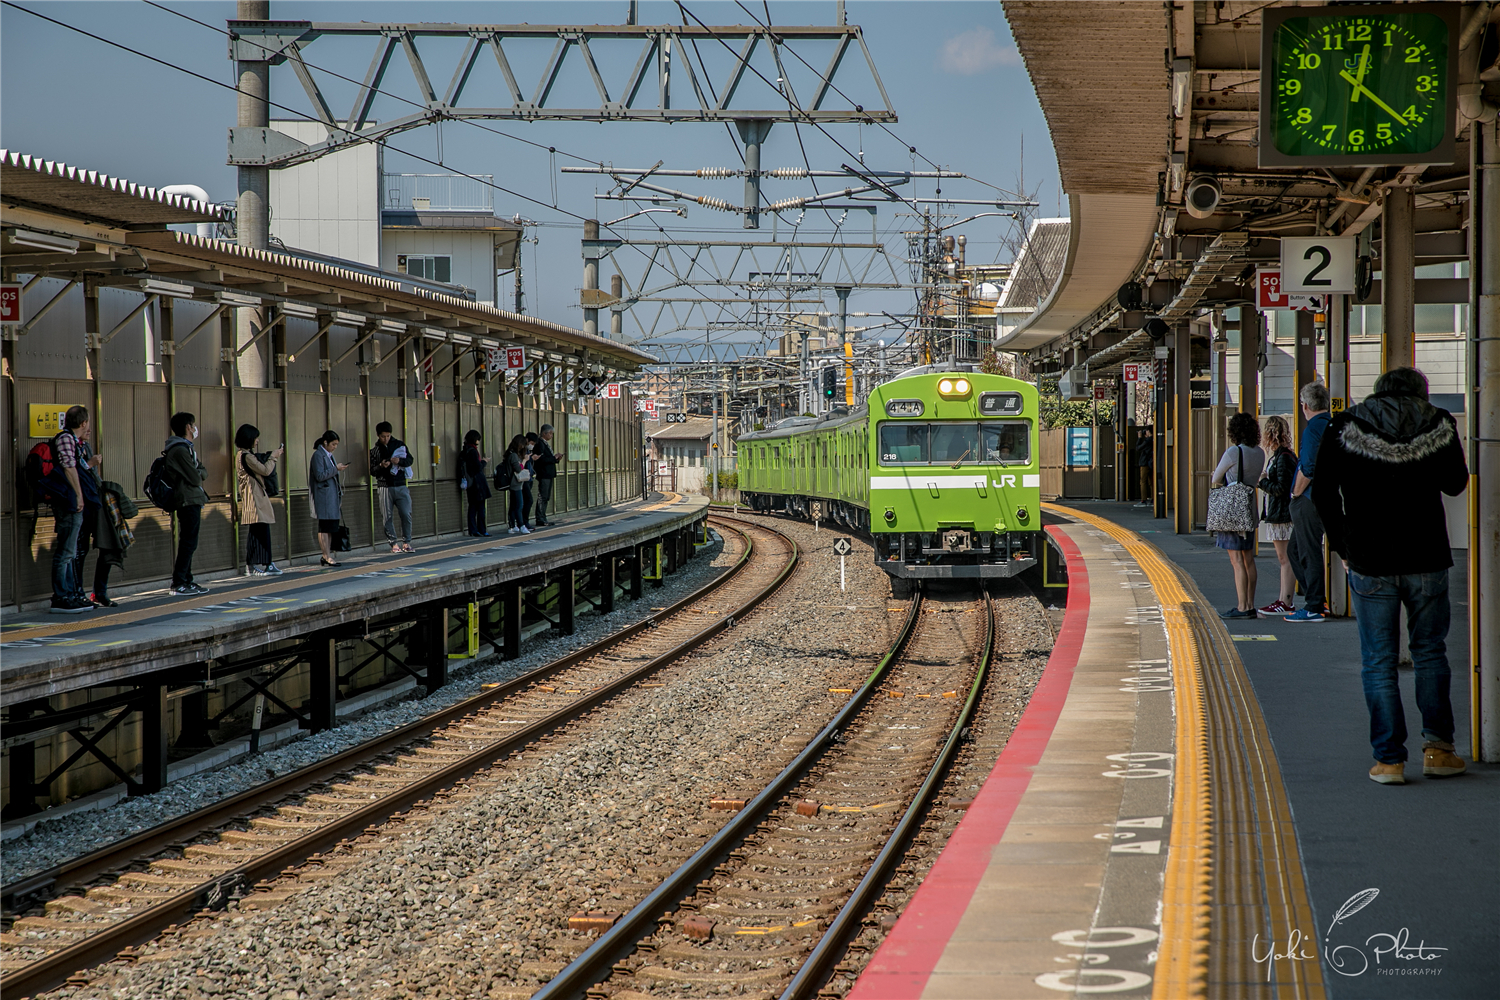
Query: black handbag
point(271, 483)
point(340, 540)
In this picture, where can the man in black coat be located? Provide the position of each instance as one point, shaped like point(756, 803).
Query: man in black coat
point(1381, 469)
point(544, 460)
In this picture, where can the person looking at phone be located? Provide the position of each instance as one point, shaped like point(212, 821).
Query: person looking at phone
point(390, 467)
point(323, 475)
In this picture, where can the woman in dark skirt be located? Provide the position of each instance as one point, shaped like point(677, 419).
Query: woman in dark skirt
point(1242, 463)
point(478, 490)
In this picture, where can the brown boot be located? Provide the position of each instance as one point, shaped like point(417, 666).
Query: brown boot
point(1438, 762)
point(1389, 774)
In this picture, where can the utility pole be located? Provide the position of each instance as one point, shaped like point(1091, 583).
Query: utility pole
point(590, 279)
point(616, 317)
point(842, 291)
point(252, 219)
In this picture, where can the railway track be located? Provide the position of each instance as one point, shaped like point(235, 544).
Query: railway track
point(129, 893)
point(768, 905)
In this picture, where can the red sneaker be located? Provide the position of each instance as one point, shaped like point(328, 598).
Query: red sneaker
point(1275, 609)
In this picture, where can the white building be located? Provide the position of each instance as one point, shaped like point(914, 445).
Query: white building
point(434, 227)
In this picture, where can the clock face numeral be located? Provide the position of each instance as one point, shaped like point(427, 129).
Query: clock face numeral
point(1342, 80)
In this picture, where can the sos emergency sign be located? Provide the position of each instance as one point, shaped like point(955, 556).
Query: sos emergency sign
point(10, 303)
point(515, 357)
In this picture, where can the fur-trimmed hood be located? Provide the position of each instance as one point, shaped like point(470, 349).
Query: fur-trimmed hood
point(1396, 429)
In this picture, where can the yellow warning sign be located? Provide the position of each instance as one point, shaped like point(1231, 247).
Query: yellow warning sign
point(1336, 404)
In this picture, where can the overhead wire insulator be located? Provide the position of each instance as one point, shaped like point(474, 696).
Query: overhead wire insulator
point(708, 201)
point(786, 204)
point(716, 172)
point(787, 173)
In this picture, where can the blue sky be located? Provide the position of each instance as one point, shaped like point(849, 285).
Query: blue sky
point(952, 73)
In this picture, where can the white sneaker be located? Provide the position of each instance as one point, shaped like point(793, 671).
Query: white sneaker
point(514, 531)
point(525, 530)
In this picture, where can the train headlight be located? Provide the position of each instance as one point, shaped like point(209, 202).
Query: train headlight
point(954, 388)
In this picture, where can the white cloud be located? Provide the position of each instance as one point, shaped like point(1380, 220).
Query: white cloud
point(976, 51)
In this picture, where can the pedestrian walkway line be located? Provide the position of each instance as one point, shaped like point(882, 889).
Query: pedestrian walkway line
point(296, 582)
point(1238, 871)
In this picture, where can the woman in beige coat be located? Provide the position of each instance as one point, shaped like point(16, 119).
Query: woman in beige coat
point(256, 512)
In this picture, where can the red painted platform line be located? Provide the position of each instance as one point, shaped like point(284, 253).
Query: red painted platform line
point(906, 958)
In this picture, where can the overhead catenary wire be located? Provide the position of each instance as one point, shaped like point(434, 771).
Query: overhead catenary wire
point(282, 107)
point(383, 93)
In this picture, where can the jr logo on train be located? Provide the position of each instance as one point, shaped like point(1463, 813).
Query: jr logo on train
point(940, 467)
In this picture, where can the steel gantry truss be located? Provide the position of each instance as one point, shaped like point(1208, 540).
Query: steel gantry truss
point(646, 93)
point(729, 286)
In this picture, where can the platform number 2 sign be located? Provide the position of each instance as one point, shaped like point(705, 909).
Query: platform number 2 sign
point(1317, 265)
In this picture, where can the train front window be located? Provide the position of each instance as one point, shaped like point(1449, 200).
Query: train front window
point(1007, 443)
point(955, 443)
point(903, 444)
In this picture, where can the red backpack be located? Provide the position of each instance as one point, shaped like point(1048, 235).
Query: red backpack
point(45, 478)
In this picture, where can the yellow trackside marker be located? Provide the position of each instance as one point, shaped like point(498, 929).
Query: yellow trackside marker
point(840, 690)
point(543, 687)
point(895, 694)
point(923, 696)
point(950, 694)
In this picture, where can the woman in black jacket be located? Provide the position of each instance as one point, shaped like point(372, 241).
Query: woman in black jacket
point(478, 490)
point(1276, 512)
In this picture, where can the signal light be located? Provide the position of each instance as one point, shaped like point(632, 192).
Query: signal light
point(829, 388)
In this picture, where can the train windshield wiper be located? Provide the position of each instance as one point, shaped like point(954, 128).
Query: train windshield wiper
point(961, 458)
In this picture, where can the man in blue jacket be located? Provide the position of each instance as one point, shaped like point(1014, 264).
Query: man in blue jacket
point(1306, 550)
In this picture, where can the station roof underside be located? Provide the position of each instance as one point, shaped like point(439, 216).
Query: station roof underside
point(1098, 73)
point(1141, 98)
point(120, 229)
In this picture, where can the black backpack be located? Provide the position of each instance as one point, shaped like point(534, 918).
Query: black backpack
point(160, 486)
point(503, 473)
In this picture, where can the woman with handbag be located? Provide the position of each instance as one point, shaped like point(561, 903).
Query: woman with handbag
point(1231, 508)
point(327, 492)
point(256, 512)
point(515, 462)
point(1276, 484)
point(474, 484)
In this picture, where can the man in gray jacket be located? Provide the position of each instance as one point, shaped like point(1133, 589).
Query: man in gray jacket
point(188, 475)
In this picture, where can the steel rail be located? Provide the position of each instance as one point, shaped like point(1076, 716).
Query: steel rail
point(54, 969)
point(817, 966)
point(189, 825)
point(616, 943)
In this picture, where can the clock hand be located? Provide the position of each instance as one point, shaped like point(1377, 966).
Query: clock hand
point(1364, 66)
point(1359, 87)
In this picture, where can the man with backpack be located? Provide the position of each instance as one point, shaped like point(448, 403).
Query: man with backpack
point(64, 491)
point(186, 474)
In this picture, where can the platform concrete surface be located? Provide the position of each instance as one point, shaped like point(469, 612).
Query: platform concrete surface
point(1061, 852)
point(45, 654)
point(1429, 847)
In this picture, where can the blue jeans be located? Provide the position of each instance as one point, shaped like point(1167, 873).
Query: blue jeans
point(1377, 607)
point(65, 584)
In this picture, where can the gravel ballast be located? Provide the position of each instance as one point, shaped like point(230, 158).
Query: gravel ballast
point(471, 897)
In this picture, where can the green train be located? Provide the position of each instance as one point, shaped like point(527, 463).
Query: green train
point(940, 467)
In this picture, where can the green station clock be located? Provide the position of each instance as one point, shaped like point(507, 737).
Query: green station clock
point(1365, 85)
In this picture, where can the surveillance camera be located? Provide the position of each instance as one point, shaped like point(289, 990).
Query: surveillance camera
point(1202, 197)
